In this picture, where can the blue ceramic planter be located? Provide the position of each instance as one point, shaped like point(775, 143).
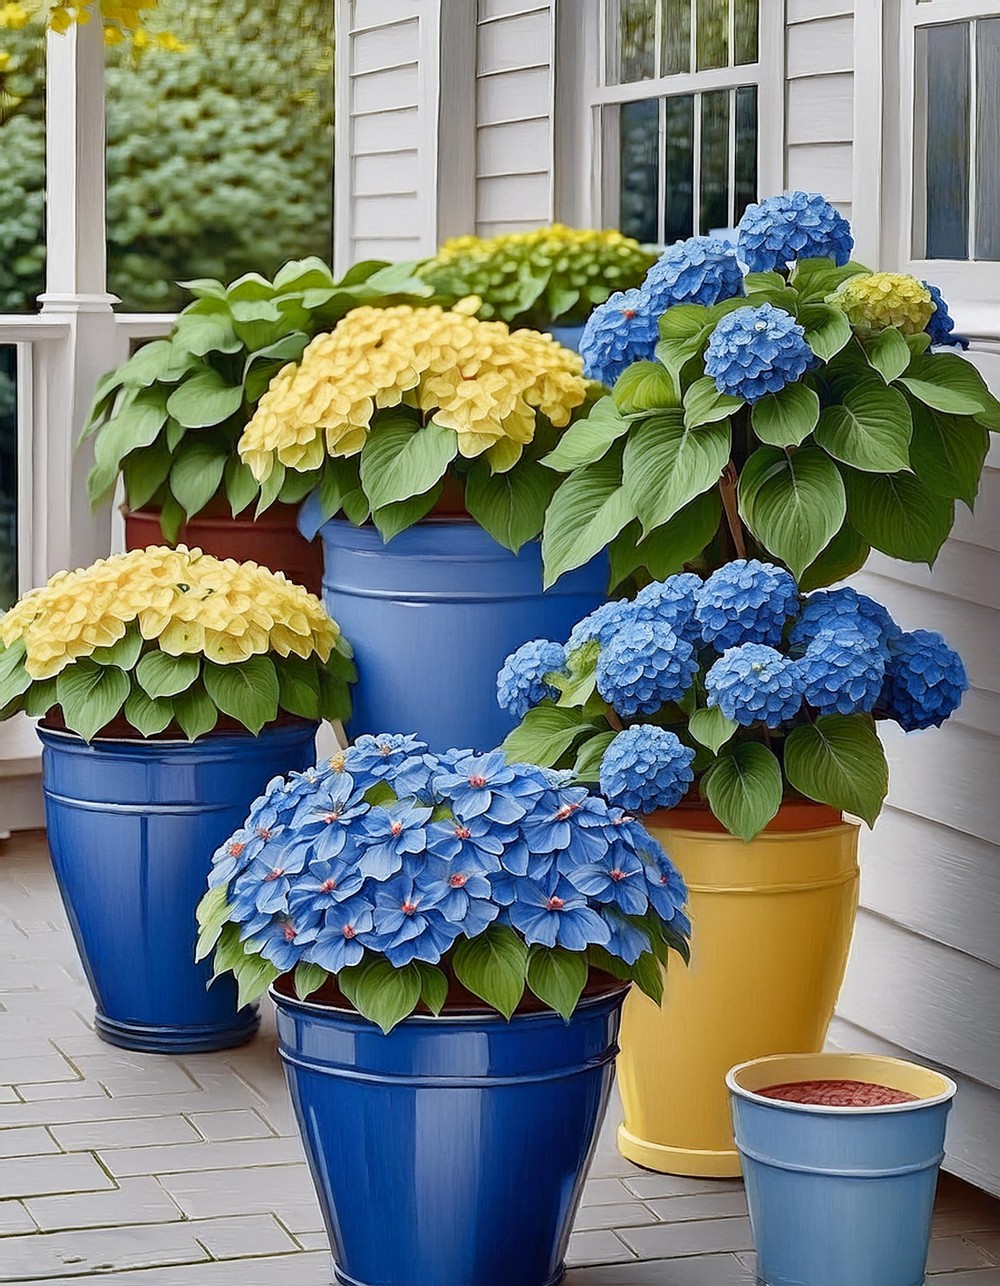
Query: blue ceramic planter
point(132, 826)
point(840, 1196)
point(568, 336)
point(453, 1151)
point(433, 614)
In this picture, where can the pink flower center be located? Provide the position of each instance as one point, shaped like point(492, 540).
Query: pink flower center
point(628, 313)
point(396, 828)
point(332, 817)
point(457, 881)
point(276, 874)
point(462, 832)
point(408, 908)
point(236, 848)
point(617, 875)
point(385, 749)
point(348, 932)
point(328, 886)
point(554, 904)
point(664, 879)
point(263, 832)
point(477, 781)
point(290, 932)
point(567, 810)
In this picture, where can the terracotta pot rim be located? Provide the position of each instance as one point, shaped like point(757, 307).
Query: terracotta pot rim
point(793, 815)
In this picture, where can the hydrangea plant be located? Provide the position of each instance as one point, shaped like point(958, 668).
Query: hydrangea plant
point(552, 274)
point(403, 873)
point(168, 420)
point(739, 686)
point(769, 399)
point(171, 640)
point(397, 399)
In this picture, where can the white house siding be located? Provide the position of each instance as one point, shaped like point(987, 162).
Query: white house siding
point(514, 113)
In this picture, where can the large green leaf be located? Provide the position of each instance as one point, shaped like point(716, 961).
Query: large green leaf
point(91, 695)
point(819, 277)
point(590, 755)
point(195, 711)
point(135, 428)
point(510, 506)
point(898, 514)
point(298, 685)
point(196, 472)
point(586, 513)
point(839, 760)
point(400, 459)
point(204, 399)
point(557, 977)
point(666, 465)
point(163, 675)
point(870, 429)
point(644, 386)
point(247, 691)
point(146, 714)
point(392, 519)
point(545, 734)
point(704, 404)
point(156, 362)
point(948, 383)
point(492, 966)
point(887, 352)
point(797, 508)
point(308, 978)
point(665, 550)
point(827, 329)
point(211, 914)
point(846, 553)
point(240, 485)
point(786, 418)
point(385, 995)
point(145, 472)
point(948, 452)
point(588, 439)
point(711, 727)
point(124, 653)
point(743, 789)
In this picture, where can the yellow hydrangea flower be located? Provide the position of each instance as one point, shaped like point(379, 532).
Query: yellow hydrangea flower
point(186, 600)
point(478, 378)
point(876, 300)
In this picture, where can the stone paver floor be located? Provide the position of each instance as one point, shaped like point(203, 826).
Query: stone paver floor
point(156, 1171)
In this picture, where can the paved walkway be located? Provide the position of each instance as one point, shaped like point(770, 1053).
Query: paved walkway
point(187, 1171)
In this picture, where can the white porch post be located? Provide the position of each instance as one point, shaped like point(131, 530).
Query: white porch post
point(64, 532)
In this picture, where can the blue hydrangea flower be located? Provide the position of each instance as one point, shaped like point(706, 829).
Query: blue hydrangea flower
point(700, 270)
point(842, 671)
point(461, 893)
point(671, 602)
point(282, 943)
point(796, 225)
point(627, 940)
point(646, 767)
point(554, 826)
point(475, 841)
point(666, 890)
point(325, 883)
point(832, 609)
point(644, 667)
point(618, 878)
point(392, 833)
point(551, 912)
point(487, 786)
point(407, 924)
point(601, 624)
point(756, 351)
point(619, 332)
point(265, 884)
point(337, 945)
point(941, 324)
point(521, 681)
point(755, 684)
point(924, 682)
point(373, 758)
point(746, 601)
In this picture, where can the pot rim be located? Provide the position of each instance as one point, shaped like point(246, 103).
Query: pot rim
point(827, 1109)
point(168, 742)
point(460, 1017)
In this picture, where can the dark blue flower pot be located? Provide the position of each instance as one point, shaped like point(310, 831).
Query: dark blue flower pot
point(432, 616)
point(132, 826)
point(453, 1151)
point(568, 336)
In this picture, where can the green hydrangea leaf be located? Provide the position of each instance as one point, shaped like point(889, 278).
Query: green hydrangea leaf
point(510, 506)
point(239, 484)
point(704, 404)
point(392, 519)
point(196, 712)
point(666, 465)
point(384, 995)
point(588, 510)
point(947, 453)
point(839, 761)
point(205, 399)
point(786, 418)
point(644, 386)
point(794, 504)
point(163, 675)
point(743, 788)
point(711, 727)
point(145, 472)
point(846, 553)
point(298, 686)
point(247, 691)
point(557, 977)
point(38, 699)
point(827, 329)
point(869, 430)
point(146, 714)
point(91, 696)
point(588, 439)
point(253, 975)
point(211, 913)
point(588, 759)
point(887, 352)
point(947, 382)
point(492, 966)
point(898, 515)
point(433, 986)
point(401, 459)
point(545, 734)
point(308, 978)
point(196, 472)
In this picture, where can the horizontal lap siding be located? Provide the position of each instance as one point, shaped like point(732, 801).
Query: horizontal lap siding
point(819, 107)
point(514, 56)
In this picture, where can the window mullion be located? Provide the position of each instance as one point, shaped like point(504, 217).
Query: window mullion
point(973, 130)
point(696, 168)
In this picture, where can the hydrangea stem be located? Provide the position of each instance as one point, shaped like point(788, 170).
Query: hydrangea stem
point(727, 489)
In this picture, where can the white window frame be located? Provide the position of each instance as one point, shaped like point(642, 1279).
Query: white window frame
point(587, 180)
point(884, 171)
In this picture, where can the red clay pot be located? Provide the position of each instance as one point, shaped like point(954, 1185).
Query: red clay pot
point(272, 540)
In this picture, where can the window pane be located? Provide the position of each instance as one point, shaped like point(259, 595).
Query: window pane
point(946, 190)
point(747, 21)
point(8, 476)
point(639, 182)
point(220, 156)
point(634, 51)
point(713, 33)
point(714, 211)
point(678, 181)
point(22, 166)
point(676, 54)
point(746, 149)
point(987, 242)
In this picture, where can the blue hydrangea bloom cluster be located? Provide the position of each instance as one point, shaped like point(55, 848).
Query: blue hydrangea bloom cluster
point(643, 667)
point(395, 851)
point(622, 330)
point(646, 767)
point(754, 683)
point(924, 681)
point(746, 601)
point(700, 270)
point(756, 351)
point(830, 609)
point(842, 671)
point(941, 324)
point(521, 682)
point(796, 225)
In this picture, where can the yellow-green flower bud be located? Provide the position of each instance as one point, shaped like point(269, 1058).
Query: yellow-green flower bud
point(876, 300)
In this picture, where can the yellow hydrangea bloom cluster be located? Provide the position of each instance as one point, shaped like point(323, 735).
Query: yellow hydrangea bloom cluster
point(550, 242)
point(122, 20)
point(478, 378)
point(186, 600)
point(876, 300)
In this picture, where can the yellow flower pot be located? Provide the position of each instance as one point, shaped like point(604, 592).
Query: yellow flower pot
point(772, 923)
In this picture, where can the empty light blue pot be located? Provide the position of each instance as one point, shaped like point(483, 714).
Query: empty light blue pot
point(432, 616)
point(132, 826)
point(453, 1151)
point(568, 336)
point(840, 1196)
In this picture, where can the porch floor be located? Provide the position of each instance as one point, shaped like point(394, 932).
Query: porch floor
point(156, 1171)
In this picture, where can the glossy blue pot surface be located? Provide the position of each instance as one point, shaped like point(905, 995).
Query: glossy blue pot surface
point(433, 615)
point(840, 1197)
point(568, 336)
point(132, 826)
point(453, 1151)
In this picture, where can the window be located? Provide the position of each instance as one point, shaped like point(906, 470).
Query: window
point(683, 104)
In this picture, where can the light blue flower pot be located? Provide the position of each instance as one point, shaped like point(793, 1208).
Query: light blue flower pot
point(840, 1196)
